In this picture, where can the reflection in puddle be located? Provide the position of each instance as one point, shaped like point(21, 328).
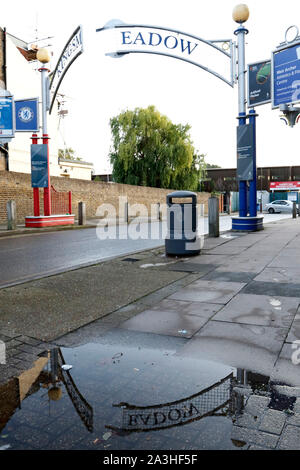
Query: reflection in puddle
point(132, 395)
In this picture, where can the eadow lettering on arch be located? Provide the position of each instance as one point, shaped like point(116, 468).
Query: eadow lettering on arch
point(150, 38)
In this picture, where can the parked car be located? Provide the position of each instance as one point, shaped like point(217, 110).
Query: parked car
point(281, 206)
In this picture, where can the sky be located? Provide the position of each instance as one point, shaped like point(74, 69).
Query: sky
point(100, 87)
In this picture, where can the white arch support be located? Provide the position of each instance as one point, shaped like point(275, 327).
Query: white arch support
point(158, 40)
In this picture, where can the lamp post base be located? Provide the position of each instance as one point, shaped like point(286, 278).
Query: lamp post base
point(247, 224)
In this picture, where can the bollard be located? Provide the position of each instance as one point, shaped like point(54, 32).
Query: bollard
point(213, 217)
point(81, 213)
point(11, 215)
point(294, 210)
point(126, 213)
point(159, 214)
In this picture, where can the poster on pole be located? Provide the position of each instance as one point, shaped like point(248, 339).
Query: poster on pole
point(286, 75)
point(39, 165)
point(7, 118)
point(259, 83)
point(27, 115)
point(245, 152)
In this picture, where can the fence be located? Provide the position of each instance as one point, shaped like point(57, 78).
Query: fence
point(61, 202)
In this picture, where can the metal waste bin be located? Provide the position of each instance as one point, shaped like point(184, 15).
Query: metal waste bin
point(182, 235)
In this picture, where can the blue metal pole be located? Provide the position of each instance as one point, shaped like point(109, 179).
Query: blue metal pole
point(253, 185)
point(240, 33)
point(243, 210)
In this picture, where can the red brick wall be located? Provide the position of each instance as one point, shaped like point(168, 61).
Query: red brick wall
point(17, 186)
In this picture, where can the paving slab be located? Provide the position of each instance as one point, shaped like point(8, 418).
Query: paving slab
point(252, 436)
point(228, 276)
point(207, 258)
point(279, 275)
point(248, 347)
point(170, 323)
point(283, 261)
point(290, 438)
point(260, 310)
point(192, 267)
point(273, 289)
point(294, 333)
point(208, 291)
point(285, 370)
point(229, 249)
point(201, 309)
point(239, 265)
point(273, 422)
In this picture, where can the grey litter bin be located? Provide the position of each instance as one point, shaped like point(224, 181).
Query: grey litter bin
point(182, 236)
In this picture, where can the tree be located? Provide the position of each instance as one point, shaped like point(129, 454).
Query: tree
point(149, 150)
point(212, 165)
point(68, 154)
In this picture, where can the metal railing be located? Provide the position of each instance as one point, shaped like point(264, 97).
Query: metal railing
point(61, 201)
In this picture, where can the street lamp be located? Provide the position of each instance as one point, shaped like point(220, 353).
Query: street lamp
point(240, 14)
point(44, 57)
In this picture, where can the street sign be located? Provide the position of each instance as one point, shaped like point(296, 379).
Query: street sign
point(7, 121)
point(39, 165)
point(245, 152)
point(27, 115)
point(259, 83)
point(286, 75)
point(285, 185)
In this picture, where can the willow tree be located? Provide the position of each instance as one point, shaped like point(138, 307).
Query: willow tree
point(149, 150)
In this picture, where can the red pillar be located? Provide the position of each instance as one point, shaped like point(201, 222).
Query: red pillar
point(47, 191)
point(36, 193)
point(70, 202)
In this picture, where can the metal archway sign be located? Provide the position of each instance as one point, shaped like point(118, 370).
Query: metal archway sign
point(158, 40)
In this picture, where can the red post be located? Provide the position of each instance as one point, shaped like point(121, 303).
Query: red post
point(70, 202)
point(47, 191)
point(36, 193)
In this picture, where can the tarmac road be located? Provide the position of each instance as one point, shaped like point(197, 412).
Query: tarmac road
point(34, 256)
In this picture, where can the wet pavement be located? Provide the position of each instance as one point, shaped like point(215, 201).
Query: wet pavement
point(206, 357)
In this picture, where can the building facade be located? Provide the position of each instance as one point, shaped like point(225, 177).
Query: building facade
point(19, 75)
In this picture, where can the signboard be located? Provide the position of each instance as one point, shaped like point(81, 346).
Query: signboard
point(27, 115)
point(259, 83)
point(72, 50)
point(39, 165)
point(7, 121)
point(245, 152)
point(150, 39)
point(286, 75)
point(285, 185)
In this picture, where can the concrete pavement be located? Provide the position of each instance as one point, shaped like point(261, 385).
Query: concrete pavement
point(237, 304)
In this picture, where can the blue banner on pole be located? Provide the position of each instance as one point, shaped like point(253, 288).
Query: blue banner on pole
point(27, 115)
point(286, 76)
point(39, 165)
point(6, 117)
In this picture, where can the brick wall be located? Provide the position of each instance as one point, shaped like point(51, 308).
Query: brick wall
point(17, 186)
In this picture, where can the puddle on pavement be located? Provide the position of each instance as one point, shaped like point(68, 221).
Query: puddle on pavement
point(128, 391)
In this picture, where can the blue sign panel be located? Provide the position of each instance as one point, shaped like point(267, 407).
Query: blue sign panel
point(286, 76)
point(245, 152)
point(39, 165)
point(27, 115)
point(6, 117)
point(259, 83)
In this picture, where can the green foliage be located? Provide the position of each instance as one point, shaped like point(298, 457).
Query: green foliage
point(149, 150)
point(212, 165)
point(68, 154)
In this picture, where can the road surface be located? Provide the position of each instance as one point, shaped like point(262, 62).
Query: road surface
point(33, 256)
